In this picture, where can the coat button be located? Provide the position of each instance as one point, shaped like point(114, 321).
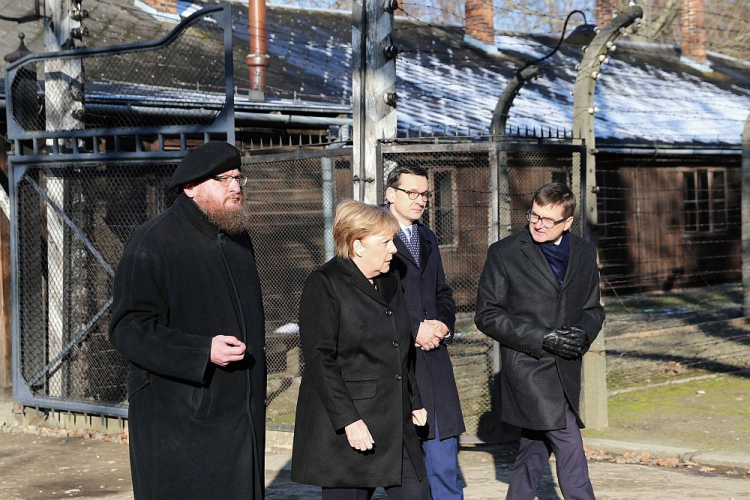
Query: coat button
point(394, 343)
point(388, 312)
point(425, 312)
point(398, 377)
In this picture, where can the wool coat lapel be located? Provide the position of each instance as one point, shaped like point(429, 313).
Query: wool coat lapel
point(386, 285)
point(573, 263)
point(537, 258)
point(404, 252)
point(425, 248)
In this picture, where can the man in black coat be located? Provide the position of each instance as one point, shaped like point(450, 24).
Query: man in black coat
point(187, 314)
point(539, 298)
point(429, 299)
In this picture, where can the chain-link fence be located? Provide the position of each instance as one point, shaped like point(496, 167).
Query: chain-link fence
point(293, 199)
point(72, 222)
point(481, 192)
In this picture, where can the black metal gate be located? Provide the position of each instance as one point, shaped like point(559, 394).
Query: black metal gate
point(97, 133)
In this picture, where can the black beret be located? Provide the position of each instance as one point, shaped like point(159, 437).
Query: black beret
point(209, 159)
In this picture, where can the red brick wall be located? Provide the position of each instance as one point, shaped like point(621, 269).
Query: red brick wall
point(169, 6)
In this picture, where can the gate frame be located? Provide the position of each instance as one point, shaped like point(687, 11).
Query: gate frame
point(223, 125)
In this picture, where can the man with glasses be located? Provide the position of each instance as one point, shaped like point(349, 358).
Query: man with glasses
point(187, 314)
point(539, 298)
point(429, 299)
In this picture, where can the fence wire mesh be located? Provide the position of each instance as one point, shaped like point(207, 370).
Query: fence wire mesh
point(180, 83)
point(461, 215)
point(73, 221)
point(293, 199)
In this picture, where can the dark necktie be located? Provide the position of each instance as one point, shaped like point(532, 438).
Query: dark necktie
point(412, 243)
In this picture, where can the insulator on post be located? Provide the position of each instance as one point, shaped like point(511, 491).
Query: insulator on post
point(78, 14)
point(391, 52)
point(390, 5)
point(612, 48)
point(593, 109)
point(79, 33)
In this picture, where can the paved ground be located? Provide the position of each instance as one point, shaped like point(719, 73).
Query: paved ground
point(38, 466)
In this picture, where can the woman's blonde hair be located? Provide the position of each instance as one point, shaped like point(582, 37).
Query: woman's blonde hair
point(356, 220)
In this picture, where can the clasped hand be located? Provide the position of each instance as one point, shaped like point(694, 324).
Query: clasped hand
point(431, 333)
point(568, 343)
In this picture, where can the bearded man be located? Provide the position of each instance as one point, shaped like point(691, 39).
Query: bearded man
point(187, 314)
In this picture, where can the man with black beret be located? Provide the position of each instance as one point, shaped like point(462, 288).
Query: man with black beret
point(187, 313)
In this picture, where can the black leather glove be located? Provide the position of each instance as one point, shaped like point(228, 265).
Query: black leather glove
point(578, 336)
point(560, 343)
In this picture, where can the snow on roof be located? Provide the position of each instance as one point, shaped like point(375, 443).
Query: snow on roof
point(445, 84)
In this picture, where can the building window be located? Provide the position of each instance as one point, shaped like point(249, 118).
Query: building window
point(441, 213)
point(705, 200)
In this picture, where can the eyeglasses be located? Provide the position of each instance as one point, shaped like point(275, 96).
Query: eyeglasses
point(413, 194)
point(226, 180)
point(547, 223)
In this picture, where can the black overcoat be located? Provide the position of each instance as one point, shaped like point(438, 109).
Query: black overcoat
point(359, 364)
point(428, 296)
point(518, 300)
point(196, 429)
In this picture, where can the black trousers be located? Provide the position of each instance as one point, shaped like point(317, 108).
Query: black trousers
point(533, 455)
point(411, 488)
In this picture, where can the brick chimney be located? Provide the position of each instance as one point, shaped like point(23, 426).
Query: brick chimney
point(604, 14)
point(692, 24)
point(480, 20)
point(162, 6)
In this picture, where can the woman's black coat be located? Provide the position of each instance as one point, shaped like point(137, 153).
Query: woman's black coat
point(196, 429)
point(518, 300)
point(359, 364)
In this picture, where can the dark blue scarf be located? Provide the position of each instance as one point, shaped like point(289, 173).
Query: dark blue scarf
point(558, 256)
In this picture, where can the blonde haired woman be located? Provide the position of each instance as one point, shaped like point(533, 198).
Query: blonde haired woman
point(358, 401)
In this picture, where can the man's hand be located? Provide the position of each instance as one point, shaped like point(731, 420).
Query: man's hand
point(226, 349)
point(559, 343)
point(419, 417)
point(441, 327)
point(359, 436)
point(428, 336)
point(578, 336)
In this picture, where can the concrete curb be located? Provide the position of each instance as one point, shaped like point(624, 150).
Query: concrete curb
point(279, 448)
point(711, 459)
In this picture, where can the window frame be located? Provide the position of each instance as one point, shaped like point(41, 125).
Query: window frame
point(712, 211)
point(431, 207)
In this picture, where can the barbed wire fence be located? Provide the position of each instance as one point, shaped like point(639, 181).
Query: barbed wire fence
point(670, 245)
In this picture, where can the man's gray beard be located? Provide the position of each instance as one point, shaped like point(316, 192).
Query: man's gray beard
point(231, 221)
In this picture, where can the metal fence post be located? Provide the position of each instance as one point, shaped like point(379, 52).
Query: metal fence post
point(594, 376)
point(746, 217)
